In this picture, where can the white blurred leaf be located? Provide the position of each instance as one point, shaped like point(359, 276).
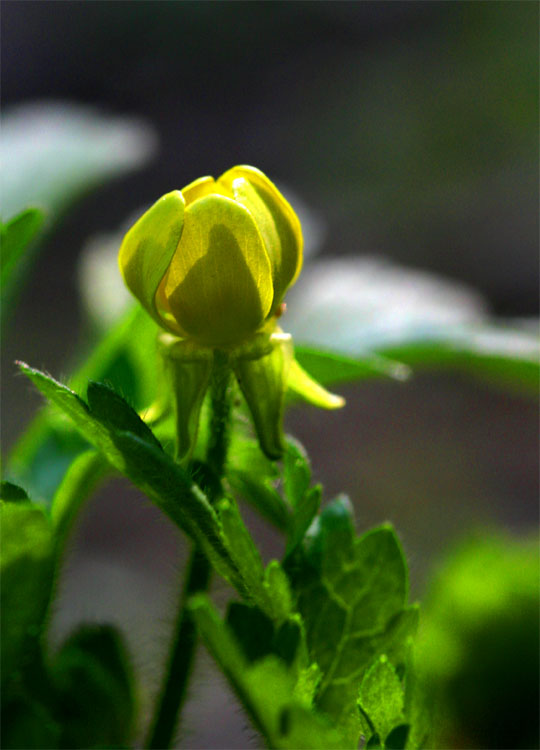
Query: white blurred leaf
point(52, 151)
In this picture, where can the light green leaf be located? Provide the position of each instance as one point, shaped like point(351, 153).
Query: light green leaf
point(381, 696)
point(266, 689)
point(16, 235)
point(305, 500)
point(369, 310)
point(327, 367)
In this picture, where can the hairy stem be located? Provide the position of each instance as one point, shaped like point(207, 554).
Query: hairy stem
point(183, 646)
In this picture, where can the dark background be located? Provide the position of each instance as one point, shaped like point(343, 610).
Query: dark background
point(411, 129)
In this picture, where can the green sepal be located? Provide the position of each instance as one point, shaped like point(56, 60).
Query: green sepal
point(304, 386)
point(148, 247)
point(263, 381)
point(188, 368)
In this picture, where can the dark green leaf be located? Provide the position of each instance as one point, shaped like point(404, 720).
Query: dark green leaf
point(27, 576)
point(28, 724)
point(93, 681)
point(397, 739)
point(258, 635)
point(111, 409)
point(253, 630)
point(266, 688)
point(12, 493)
point(374, 743)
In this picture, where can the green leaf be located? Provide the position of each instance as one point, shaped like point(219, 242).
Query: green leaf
point(111, 409)
point(78, 149)
point(149, 468)
point(28, 724)
point(262, 586)
point(296, 472)
point(283, 720)
point(27, 576)
point(382, 696)
point(12, 493)
point(329, 368)
point(86, 471)
point(244, 553)
point(93, 682)
point(305, 501)
point(351, 595)
point(16, 235)
point(260, 493)
point(371, 311)
point(259, 636)
point(397, 738)
point(48, 447)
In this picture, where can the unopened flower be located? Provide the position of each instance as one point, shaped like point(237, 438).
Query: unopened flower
point(211, 264)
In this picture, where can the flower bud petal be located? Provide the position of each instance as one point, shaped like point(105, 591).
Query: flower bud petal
point(276, 220)
point(263, 382)
point(202, 187)
point(304, 385)
point(148, 247)
point(219, 283)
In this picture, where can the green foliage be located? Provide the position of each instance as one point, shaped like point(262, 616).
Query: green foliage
point(27, 568)
point(143, 462)
point(284, 720)
point(317, 646)
point(479, 652)
point(352, 596)
point(12, 493)
point(382, 701)
point(93, 687)
point(16, 237)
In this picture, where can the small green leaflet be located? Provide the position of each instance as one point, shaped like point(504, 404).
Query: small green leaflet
point(303, 499)
point(381, 697)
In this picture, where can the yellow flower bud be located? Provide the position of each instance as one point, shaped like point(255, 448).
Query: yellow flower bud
point(212, 263)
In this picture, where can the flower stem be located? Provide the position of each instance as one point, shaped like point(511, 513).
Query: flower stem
point(173, 693)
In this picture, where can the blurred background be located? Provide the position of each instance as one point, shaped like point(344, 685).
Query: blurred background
point(406, 135)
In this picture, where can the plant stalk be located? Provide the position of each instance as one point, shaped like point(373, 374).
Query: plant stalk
point(164, 726)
